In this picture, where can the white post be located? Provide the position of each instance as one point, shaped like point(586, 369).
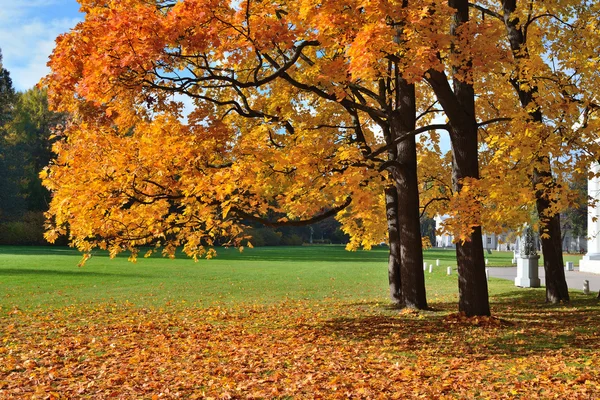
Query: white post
point(437, 263)
point(586, 287)
point(449, 270)
point(487, 274)
point(527, 263)
point(424, 265)
point(569, 266)
point(486, 261)
point(430, 268)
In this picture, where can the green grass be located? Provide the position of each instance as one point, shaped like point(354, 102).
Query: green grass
point(32, 277)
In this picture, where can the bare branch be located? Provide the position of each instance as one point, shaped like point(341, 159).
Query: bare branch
point(487, 11)
point(402, 138)
point(303, 222)
point(493, 120)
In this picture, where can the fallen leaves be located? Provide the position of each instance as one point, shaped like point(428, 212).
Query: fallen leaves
point(461, 318)
point(291, 350)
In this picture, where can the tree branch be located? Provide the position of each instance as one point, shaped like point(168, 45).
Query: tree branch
point(402, 138)
point(487, 11)
point(304, 222)
point(493, 120)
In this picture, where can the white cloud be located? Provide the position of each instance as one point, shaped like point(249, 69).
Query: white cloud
point(27, 37)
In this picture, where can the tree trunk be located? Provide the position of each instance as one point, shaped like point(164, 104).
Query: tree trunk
point(411, 246)
point(472, 282)
point(556, 283)
point(394, 259)
point(458, 103)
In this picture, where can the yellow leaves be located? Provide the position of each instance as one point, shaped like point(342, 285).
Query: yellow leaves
point(84, 259)
point(324, 349)
point(426, 242)
point(132, 170)
point(226, 207)
point(44, 174)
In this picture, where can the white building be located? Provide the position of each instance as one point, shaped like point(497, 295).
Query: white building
point(491, 241)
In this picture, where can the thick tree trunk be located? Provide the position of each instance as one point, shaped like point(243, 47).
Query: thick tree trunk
point(458, 103)
point(556, 283)
point(411, 245)
point(472, 281)
point(394, 260)
point(405, 270)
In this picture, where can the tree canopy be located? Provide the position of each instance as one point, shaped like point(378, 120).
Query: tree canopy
point(190, 117)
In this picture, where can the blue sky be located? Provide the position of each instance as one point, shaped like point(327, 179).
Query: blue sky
point(28, 29)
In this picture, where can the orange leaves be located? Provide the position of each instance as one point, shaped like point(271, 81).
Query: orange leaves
point(332, 350)
point(283, 101)
point(483, 321)
point(369, 44)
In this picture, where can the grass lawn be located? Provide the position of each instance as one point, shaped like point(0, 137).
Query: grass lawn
point(300, 322)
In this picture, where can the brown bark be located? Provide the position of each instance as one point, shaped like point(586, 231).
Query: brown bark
point(394, 259)
point(550, 231)
point(458, 103)
point(411, 247)
point(405, 269)
point(557, 289)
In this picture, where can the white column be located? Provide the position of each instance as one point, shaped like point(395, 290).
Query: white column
point(591, 261)
point(594, 214)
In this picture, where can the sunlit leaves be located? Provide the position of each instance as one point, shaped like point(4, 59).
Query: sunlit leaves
point(332, 350)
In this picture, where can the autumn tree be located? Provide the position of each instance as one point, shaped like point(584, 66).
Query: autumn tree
point(300, 110)
point(545, 90)
point(265, 84)
point(456, 95)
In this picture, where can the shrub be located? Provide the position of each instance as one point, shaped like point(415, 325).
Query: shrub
point(264, 237)
point(29, 230)
point(292, 240)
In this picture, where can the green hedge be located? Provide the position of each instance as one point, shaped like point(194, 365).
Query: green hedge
point(29, 230)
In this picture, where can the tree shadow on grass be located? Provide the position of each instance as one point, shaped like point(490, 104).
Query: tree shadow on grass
point(52, 272)
point(520, 326)
point(274, 253)
point(39, 251)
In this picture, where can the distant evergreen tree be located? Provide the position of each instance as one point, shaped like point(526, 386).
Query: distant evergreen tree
point(7, 95)
point(30, 131)
point(10, 203)
point(26, 126)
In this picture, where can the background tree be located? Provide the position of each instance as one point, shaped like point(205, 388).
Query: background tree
point(574, 219)
point(550, 134)
point(9, 182)
point(32, 130)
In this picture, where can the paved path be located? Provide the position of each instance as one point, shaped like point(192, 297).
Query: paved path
point(574, 278)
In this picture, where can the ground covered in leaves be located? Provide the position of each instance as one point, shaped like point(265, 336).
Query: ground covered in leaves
point(301, 349)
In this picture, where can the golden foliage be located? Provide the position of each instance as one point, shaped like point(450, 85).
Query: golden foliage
point(282, 115)
point(299, 350)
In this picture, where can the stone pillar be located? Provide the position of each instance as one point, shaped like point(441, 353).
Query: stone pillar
point(591, 261)
point(527, 262)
